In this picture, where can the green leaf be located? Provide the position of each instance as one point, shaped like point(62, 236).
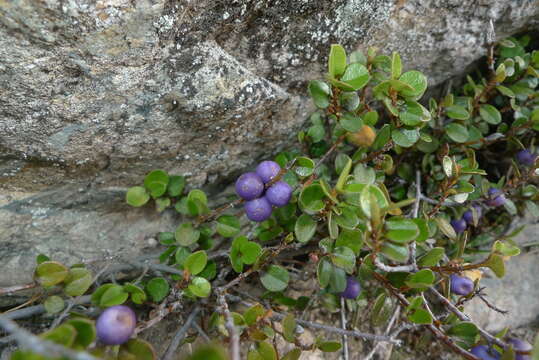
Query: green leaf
point(457, 132)
point(344, 257)
point(78, 281)
point(505, 248)
point(324, 271)
point(293, 354)
point(417, 81)
point(457, 112)
point(447, 166)
point(252, 314)
point(305, 228)
point(405, 137)
point(351, 122)
point(413, 113)
point(197, 202)
point(41, 258)
point(423, 230)
point(311, 199)
point(445, 227)
point(137, 196)
point(235, 253)
point(396, 65)
point(341, 181)
point(496, 264)
point(200, 287)
point(266, 351)
point(138, 349)
point(348, 218)
point(64, 334)
point(275, 278)
point(196, 262)
point(53, 304)
point(250, 251)
point(337, 60)
point(395, 252)
point(86, 332)
point(228, 226)
point(329, 346)
point(110, 296)
point(372, 197)
point(186, 235)
point(157, 288)
point(50, 273)
point(382, 137)
point(490, 114)
point(421, 279)
point(304, 166)
point(289, 328)
point(138, 296)
point(401, 231)
point(356, 75)
point(352, 239)
point(464, 330)
point(432, 257)
point(320, 92)
point(420, 316)
point(156, 182)
point(176, 184)
point(166, 238)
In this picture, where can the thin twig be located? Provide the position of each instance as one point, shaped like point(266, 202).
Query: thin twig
point(488, 303)
point(180, 335)
point(15, 288)
point(392, 321)
point(465, 317)
point(37, 345)
point(343, 326)
point(201, 332)
point(229, 324)
point(39, 309)
point(387, 268)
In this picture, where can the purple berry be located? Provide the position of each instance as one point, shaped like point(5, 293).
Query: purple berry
point(526, 157)
point(267, 170)
point(279, 194)
point(496, 197)
point(258, 209)
point(461, 285)
point(115, 325)
point(484, 353)
point(249, 186)
point(468, 215)
point(521, 345)
point(459, 225)
point(352, 288)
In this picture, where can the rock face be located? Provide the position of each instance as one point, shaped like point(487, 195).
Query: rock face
point(97, 93)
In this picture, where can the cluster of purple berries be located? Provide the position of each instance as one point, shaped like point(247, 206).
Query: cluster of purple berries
point(486, 353)
point(251, 187)
point(495, 198)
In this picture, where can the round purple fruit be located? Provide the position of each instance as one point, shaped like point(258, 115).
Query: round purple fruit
point(352, 288)
point(485, 353)
point(521, 345)
point(115, 325)
point(258, 209)
point(495, 197)
point(459, 225)
point(267, 170)
point(461, 285)
point(279, 194)
point(468, 214)
point(249, 186)
point(526, 157)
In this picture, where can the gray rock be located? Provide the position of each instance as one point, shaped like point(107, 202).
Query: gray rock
point(516, 292)
point(97, 93)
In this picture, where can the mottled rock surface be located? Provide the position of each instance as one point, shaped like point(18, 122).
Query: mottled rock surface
point(94, 94)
